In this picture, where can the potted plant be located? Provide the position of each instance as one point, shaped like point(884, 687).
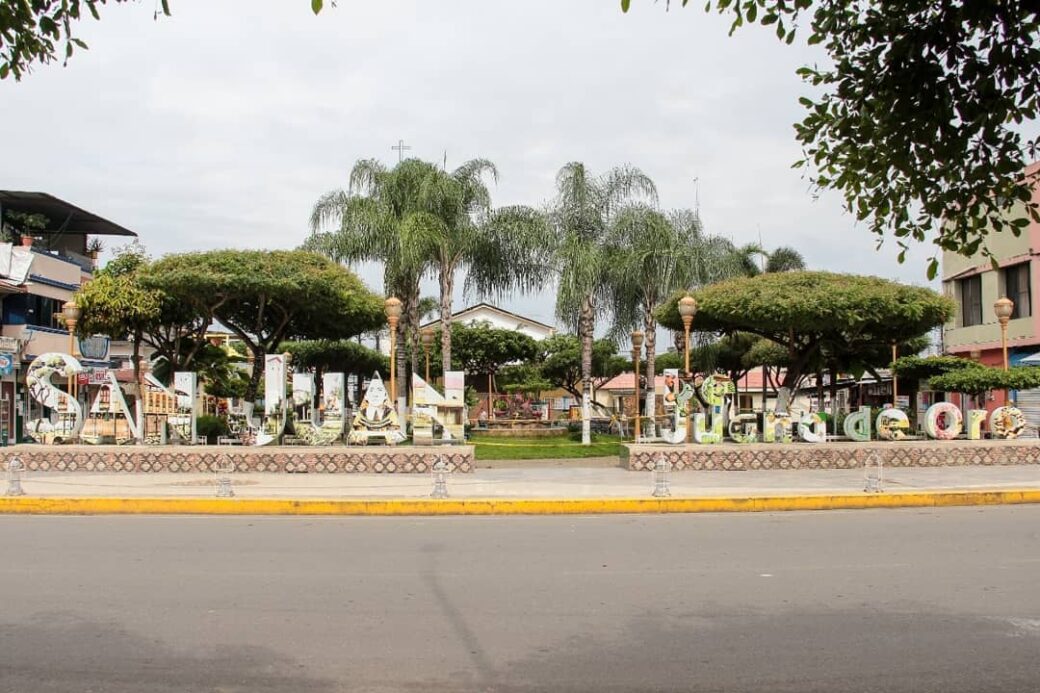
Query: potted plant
point(94, 249)
point(25, 225)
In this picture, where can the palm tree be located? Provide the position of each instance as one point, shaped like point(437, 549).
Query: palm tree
point(650, 256)
point(381, 217)
point(581, 215)
point(501, 249)
point(418, 218)
point(782, 259)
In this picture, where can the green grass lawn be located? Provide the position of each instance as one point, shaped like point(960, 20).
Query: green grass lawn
point(503, 448)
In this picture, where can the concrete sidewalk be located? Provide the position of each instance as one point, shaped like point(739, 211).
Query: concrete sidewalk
point(534, 483)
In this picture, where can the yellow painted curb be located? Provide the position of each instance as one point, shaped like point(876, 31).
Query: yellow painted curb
point(504, 506)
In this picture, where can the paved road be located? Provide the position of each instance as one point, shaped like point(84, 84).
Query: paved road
point(937, 600)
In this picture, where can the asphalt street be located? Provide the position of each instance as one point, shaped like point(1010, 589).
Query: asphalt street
point(892, 600)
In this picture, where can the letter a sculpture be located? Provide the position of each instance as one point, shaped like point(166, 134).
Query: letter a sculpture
point(376, 417)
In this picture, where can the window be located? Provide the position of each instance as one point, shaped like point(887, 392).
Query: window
point(971, 300)
point(1016, 287)
point(30, 309)
point(41, 312)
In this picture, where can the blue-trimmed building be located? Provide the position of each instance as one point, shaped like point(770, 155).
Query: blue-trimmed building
point(41, 269)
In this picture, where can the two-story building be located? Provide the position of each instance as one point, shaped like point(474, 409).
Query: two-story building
point(39, 272)
point(975, 284)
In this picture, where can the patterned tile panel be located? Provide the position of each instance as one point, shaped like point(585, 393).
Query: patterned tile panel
point(103, 458)
point(733, 457)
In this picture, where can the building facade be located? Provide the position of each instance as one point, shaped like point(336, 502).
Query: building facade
point(40, 270)
point(975, 284)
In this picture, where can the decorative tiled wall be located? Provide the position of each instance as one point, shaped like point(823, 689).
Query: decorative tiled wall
point(111, 458)
point(733, 457)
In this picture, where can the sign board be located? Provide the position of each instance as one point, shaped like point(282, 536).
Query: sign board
point(274, 383)
point(10, 344)
point(6, 363)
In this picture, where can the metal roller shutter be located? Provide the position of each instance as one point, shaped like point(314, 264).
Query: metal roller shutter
point(1029, 402)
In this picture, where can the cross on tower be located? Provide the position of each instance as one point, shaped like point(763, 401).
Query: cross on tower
point(400, 148)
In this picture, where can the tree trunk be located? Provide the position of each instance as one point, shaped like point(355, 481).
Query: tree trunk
point(139, 412)
point(258, 372)
point(412, 315)
point(765, 376)
point(650, 326)
point(834, 399)
point(586, 326)
point(819, 389)
point(401, 358)
point(447, 287)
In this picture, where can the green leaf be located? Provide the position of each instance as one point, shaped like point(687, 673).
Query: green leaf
point(625, 4)
point(316, 6)
point(933, 268)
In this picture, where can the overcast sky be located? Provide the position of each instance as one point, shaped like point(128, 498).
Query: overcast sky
point(219, 126)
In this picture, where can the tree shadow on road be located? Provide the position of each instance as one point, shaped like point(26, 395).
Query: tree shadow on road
point(60, 652)
point(849, 651)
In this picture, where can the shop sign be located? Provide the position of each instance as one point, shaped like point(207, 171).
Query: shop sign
point(6, 363)
point(11, 345)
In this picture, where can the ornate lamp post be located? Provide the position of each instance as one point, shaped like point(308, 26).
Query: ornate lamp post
point(392, 308)
point(688, 309)
point(1003, 308)
point(427, 337)
point(71, 312)
point(895, 380)
point(637, 348)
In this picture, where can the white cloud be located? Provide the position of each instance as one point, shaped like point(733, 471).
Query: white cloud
point(219, 126)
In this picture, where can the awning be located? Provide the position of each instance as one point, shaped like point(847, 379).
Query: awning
point(1031, 360)
point(64, 217)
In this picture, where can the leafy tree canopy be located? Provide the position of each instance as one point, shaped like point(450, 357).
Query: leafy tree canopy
point(480, 348)
point(265, 297)
point(804, 312)
point(919, 113)
point(335, 356)
point(982, 379)
point(561, 362)
point(117, 302)
point(925, 367)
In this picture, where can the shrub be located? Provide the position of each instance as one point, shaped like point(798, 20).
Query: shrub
point(211, 427)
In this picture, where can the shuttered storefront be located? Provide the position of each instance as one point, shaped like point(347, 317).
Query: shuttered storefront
point(1029, 403)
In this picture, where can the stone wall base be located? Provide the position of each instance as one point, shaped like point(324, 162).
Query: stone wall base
point(402, 459)
point(734, 457)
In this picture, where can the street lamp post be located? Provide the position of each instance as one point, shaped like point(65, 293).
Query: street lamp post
point(895, 380)
point(71, 312)
point(392, 308)
point(1003, 308)
point(637, 348)
point(687, 309)
point(427, 342)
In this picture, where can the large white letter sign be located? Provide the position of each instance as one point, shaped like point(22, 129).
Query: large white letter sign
point(66, 410)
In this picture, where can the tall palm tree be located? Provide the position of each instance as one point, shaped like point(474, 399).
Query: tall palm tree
point(417, 218)
point(651, 255)
point(381, 217)
point(785, 259)
point(754, 259)
point(581, 215)
point(500, 249)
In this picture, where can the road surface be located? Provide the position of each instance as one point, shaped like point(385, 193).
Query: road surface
point(899, 600)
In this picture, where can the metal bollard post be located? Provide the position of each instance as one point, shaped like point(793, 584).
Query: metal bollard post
point(225, 469)
point(14, 477)
point(661, 488)
point(875, 474)
point(440, 481)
